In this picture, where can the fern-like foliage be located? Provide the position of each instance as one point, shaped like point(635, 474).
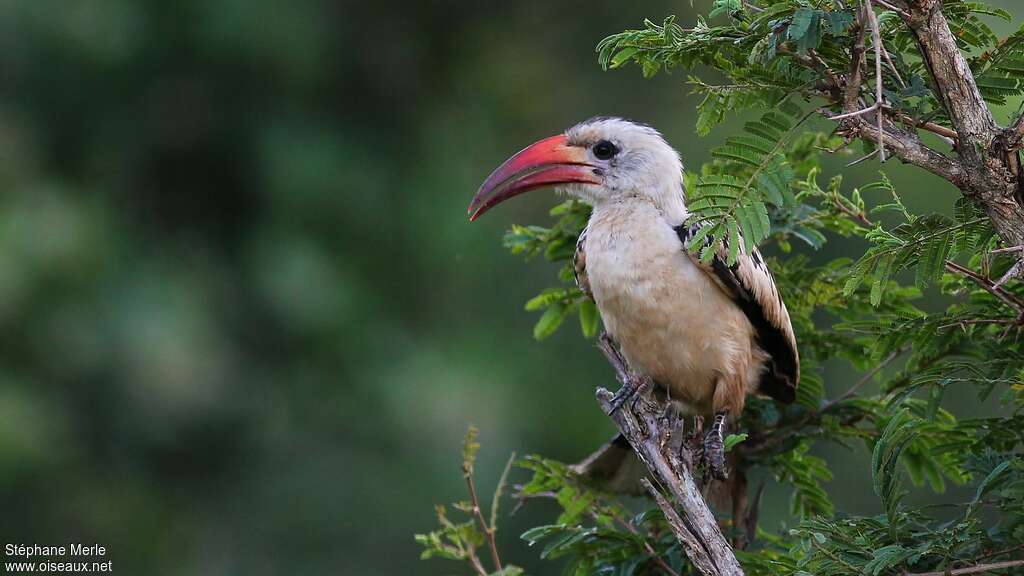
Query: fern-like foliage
point(921, 243)
point(766, 185)
point(732, 196)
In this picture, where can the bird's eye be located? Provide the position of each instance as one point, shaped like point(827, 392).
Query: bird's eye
point(604, 150)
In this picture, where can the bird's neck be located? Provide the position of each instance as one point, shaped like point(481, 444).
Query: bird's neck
point(668, 202)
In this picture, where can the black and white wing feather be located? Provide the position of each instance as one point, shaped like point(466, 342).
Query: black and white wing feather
point(749, 283)
point(579, 265)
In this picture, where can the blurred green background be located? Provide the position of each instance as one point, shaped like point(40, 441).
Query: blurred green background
point(245, 321)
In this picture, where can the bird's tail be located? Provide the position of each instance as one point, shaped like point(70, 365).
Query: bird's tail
point(616, 468)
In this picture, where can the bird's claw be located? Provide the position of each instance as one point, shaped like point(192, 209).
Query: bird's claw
point(714, 450)
point(630, 389)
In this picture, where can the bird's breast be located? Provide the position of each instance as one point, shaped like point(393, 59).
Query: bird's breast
point(669, 317)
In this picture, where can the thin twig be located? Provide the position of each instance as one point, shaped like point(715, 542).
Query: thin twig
point(965, 323)
point(647, 546)
point(879, 90)
point(854, 77)
point(863, 158)
point(1007, 250)
point(625, 524)
point(992, 288)
point(947, 133)
point(971, 569)
point(895, 72)
point(867, 110)
point(475, 562)
point(488, 530)
point(1013, 272)
point(502, 481)
point(895, 9)
point(857, 217)
point(865, 379)
point(984, 283)
point(999, 552)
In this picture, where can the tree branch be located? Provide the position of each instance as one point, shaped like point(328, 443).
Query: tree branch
point(954, 80)
point(907, 146)
point(643, 423)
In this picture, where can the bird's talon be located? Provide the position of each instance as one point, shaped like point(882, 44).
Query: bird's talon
point(627, 391)
point(714, 450)
point(714, 456)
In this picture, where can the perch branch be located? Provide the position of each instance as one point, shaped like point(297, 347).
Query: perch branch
point(643, 424)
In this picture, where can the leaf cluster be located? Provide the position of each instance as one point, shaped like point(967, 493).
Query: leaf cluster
point(764, 188)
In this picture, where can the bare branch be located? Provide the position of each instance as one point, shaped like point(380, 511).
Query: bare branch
point(852, 391)
point(647, 545)
point(879, 89)
point(642, 423)
point(993, 288)
point(854, 114)
point(909, 148)
point(903, 13)
point(950, 136)
point(1008, 250)
point(1013, 272)
point(851, 97)
point(864, 158)
point(954, 81)
point(488, 530)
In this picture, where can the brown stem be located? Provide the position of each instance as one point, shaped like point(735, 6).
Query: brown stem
point(865, 379)
point(930, 127)
point(478, 566)
point(488, 530)
point(647, 546)
point(971, 569)
point(876, 36)
point(992, 288)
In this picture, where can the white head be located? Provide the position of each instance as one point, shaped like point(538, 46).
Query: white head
point(600, 161)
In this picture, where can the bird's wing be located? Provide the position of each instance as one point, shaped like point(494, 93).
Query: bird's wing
point(579, 269)
point(749, 283)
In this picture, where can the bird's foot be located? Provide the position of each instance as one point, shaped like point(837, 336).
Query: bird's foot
point(671, 426)
point(630, 391)
point(714, 449)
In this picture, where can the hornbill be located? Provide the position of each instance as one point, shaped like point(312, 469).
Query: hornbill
point(707, 334)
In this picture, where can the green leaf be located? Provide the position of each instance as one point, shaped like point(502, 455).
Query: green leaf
point(549, 322)
point(838, 21)
point(734, 240)
point(469, 449)
point(800, 24)
point(588, 318)
point(725, 7)
point(992, 480)
point(733, 439)
point(805, 29)
point(623, 56)
point(890, 446)
point(887, 557)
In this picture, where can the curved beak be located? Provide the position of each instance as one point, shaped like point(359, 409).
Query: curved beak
point(547, 163)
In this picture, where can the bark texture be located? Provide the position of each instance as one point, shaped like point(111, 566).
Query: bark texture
point(654, 430)
point(985, 164)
